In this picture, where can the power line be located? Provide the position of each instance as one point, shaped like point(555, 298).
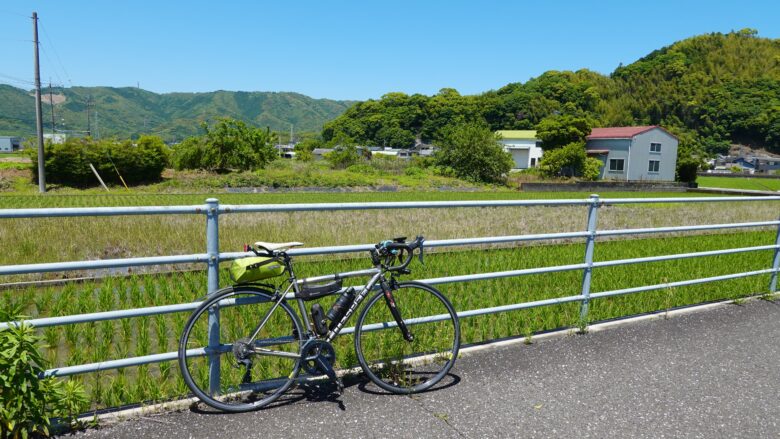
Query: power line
point(56, 55)
point(46, 55)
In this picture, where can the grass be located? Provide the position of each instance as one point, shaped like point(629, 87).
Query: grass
point(41, 240)
point(81, 343)
point(748, 183)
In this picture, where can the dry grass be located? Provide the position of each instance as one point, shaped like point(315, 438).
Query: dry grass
point(66, 239)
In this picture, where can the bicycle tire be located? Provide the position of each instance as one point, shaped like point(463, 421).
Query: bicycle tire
point(395, 364)
point(240, 309)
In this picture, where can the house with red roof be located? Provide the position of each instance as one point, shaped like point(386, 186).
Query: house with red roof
point(643, 153)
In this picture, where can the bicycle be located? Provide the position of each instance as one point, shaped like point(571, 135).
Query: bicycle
point(406, 346)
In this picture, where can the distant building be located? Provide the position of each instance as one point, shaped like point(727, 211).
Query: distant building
point(393, 152)
point(766, 165)
point(319, 153)
point(524, 147)
point(634, 153)
point(55, 138)
point(10, 144)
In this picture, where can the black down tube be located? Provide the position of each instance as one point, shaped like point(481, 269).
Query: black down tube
point(390, 301)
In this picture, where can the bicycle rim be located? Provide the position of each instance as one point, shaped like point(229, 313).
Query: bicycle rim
point(241, 387)
point(398, 365)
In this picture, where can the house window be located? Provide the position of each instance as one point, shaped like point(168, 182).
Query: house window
point(616, 164)
point(654, 166)
point(533, 162)
point(655, 147)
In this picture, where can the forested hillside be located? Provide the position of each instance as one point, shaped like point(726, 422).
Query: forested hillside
point(711, 90)
point(128, 112)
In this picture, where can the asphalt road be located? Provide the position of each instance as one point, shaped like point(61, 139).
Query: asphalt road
point(708, 374)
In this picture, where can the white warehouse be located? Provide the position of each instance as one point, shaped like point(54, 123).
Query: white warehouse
point(524, 147)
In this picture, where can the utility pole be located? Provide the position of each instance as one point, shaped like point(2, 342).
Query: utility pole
point(38, 111)
point(89, 124)
point(291, 134)
point(51, 102)
point(97, 125)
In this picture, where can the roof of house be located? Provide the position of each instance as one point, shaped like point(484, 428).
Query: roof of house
point(517, 134)
point(622, 132)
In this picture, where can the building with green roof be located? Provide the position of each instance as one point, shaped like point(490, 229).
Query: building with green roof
point(524, 147)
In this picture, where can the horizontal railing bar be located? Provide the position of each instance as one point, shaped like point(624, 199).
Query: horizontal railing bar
point(106, 315)
point(247, 208)
point(683, 256)
point(679, 283)
point(608, 201)
point(434, 243)
point(59, 212)
point(501, 274)
point(118, 364)
point(470, 313)
point(685, 228)
point(102, 263)
point(254, 208)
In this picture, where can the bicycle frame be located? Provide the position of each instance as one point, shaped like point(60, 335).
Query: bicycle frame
point(376, 274)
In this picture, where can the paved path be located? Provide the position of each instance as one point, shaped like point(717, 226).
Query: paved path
point(708, 374)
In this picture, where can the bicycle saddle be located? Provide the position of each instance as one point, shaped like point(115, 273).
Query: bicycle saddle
point(274, 246)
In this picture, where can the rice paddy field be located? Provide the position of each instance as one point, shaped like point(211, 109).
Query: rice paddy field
point(749, 183)
point(47, 240)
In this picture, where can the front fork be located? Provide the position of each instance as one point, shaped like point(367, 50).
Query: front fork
point(387, 291)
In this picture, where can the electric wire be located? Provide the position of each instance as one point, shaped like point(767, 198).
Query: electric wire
point(56, 54)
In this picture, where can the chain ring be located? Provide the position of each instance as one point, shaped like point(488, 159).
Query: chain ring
point(320, 348)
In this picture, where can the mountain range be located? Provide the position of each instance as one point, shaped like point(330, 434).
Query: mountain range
point(126, 112)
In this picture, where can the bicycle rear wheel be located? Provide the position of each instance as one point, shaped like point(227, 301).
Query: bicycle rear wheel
point(398, 365)
point(248, 380)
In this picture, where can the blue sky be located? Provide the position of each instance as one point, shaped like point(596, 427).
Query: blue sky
point(348, 49)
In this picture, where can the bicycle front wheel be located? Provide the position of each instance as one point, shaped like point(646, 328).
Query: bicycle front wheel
point(220, 364)
point(396, 364)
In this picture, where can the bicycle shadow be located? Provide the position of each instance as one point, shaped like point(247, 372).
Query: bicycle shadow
point(324, 391)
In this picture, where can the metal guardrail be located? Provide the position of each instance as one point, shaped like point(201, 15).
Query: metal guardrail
point(212, 257)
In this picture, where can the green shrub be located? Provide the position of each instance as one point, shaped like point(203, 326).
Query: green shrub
point(342, 156)
point(26, 401)
point(362, 168)
point(414, 171)
point(566, 161)
point(68, 163)
point(687, 168)
point(474, 153)
point(591, 169)
point(229, 145)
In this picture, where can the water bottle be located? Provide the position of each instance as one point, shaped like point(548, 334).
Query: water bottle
point(340, 307)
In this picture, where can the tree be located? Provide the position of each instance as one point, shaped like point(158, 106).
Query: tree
point(474, 153)
point(229, 144)
point(570, 161)
point(559, 130)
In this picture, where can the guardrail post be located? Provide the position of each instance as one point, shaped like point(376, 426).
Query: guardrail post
point(212, 249)
point(590, 243)
point(775, 264)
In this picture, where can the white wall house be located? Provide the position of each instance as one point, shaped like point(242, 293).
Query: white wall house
point(524, 147)
point(634, 153)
